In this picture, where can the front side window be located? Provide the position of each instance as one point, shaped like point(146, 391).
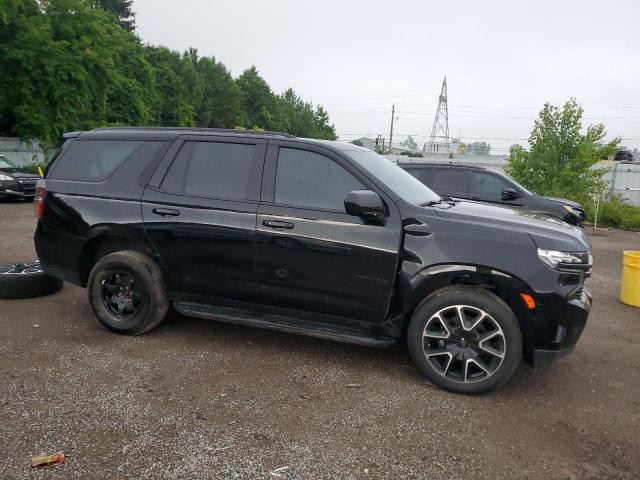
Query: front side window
point(211, 169)
point(486, 183)
point(93, 160)
point(308, 179)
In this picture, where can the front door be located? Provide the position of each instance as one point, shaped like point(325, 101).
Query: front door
point(200, 214)
point(488, 187)
point(312, 255)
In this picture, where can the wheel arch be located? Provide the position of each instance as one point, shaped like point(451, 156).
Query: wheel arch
point(104, 243)
point(415, 288)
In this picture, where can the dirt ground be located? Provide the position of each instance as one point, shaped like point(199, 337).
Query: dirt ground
point(201, 399)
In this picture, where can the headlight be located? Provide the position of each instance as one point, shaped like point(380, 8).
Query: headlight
point(571, 209)
point(554, 258)
point(5, 177)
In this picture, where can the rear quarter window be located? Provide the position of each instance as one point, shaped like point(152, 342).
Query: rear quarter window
point(93, 161)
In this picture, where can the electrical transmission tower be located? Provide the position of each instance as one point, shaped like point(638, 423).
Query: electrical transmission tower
point(439, 139)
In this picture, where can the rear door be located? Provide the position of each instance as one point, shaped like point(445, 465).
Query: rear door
point(199, 211)
point(312, 255)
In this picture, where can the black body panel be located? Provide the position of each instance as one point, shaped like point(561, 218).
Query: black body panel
point(257, 260)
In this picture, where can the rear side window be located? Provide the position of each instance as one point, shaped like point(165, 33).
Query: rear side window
point(93, 161)
point(308, 179)
point(211, 169)
point(441, 179)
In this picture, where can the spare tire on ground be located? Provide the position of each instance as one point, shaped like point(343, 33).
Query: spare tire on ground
point(26, 280)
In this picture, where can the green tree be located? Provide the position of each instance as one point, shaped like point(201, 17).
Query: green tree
point(75, 65)
point(60, 61)
point(561, 155)
point(172, 103)
point(220, 104)
point(123, 11)
point(257, 100)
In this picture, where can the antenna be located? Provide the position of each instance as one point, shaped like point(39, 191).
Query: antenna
point(440, 131)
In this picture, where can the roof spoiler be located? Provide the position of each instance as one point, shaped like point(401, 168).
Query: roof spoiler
point(71, 135)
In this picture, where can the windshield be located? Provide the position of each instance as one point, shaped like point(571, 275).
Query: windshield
point(403, 184)
point(4, 163)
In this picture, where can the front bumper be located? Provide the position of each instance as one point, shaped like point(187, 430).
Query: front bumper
point(19, 188)
point(570, 325)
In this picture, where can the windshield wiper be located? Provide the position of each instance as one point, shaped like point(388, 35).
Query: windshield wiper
point(442, 199)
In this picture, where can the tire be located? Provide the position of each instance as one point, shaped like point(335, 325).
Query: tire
point(474, 355)
point(127, 292)
point(26, 280)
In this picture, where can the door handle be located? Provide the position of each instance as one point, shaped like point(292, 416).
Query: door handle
point(278, 224)
point(166, 212)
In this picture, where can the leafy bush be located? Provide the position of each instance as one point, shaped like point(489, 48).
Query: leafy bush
point(615, 212)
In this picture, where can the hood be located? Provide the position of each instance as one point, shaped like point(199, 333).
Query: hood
point(564, 201)
point(18, 173)
point(547, 232)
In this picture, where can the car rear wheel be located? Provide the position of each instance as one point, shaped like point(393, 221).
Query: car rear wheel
point(127, 292)
point(465, 339)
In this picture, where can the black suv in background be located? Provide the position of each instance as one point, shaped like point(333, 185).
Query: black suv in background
point(481, 184)
point(15, 182)
point(313, 237)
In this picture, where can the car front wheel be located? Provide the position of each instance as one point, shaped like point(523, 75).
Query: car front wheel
point(465, 339)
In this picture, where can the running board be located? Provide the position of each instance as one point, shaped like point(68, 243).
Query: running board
point(289, 324)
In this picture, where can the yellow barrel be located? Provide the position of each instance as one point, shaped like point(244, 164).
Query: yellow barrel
point(630, 289)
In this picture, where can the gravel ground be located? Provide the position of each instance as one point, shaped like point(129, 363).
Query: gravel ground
point(200, 399)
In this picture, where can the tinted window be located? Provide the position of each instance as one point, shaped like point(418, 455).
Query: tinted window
point(447, 179)
point(93, 161)
point(210, 169)
point(309, 179)
point(486, 183)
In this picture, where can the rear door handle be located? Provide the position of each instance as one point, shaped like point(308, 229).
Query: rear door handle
point(166, 212)
point(278, 224)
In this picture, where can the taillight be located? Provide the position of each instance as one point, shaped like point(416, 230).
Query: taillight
point(41, 192)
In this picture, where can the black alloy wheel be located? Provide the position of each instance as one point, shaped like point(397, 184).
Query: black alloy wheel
point(127, 292)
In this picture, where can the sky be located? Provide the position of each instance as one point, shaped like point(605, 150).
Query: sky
point(503, 59)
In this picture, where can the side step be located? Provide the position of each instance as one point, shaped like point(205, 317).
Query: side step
point(283, 323)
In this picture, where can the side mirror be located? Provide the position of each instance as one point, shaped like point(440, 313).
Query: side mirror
point(510, 194)
point(364, 203)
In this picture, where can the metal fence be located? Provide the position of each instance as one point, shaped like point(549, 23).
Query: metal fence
point(24, 153)
point(623, 179)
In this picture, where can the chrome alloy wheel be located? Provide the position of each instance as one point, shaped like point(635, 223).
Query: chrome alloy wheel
point(463, 343)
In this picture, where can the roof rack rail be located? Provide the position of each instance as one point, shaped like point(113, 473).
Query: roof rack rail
point(202, 129)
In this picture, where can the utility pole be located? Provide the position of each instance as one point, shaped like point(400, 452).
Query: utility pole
point(441, 123)
point(393, 112)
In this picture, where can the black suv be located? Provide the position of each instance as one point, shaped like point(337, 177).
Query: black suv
point(16, 182)
point(313, 237)
point(481, 184)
